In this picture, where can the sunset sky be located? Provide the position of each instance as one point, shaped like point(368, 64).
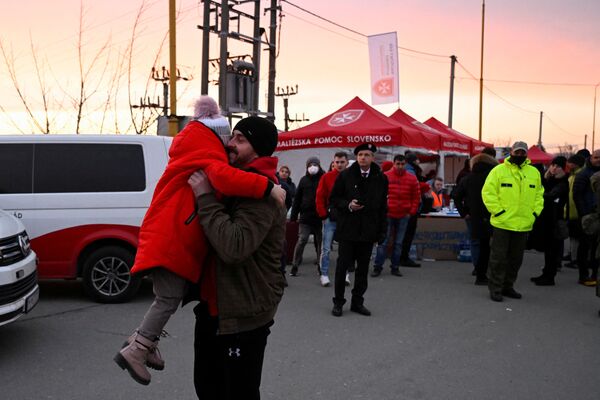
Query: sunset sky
point(550, 42)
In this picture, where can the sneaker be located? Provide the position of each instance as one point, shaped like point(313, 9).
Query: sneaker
point(324, 280)
point(348, 280)
point(396, 272)
point(589, 282)
point(294, 271)
point(410, 263)
point(512, 293)
point(376, 272)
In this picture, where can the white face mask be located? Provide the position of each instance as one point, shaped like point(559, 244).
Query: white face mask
point(313, 169)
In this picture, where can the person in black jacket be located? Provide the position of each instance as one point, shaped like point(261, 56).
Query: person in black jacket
point(468, 201)
point(285, 180)
point(545, 235)
point(305, 205)
point(585, 203)
point(360, 197)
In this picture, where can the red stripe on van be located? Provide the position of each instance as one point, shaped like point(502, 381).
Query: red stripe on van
point(58, 251)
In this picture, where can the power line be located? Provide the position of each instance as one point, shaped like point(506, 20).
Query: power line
point(359, 33)
point(184, 14)
point(521, 108)
point(530, 82)
point(358, 40)
point(322, 27)
point(496, 94)
point(559, 127)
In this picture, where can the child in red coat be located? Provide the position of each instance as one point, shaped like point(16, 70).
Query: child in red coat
point(172, 246)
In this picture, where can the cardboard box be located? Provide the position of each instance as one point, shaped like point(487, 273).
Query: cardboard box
point(439, 237)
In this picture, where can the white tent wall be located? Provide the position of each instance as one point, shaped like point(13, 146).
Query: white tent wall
point(451, 166)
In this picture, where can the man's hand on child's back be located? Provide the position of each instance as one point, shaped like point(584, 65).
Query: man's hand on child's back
point(199, 183)
point(279, 194)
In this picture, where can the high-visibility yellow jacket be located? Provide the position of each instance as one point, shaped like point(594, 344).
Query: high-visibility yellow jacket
point(571, 208)
point(513, 195)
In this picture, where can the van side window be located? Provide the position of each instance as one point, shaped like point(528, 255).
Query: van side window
point(88, 167)
point(16, 163)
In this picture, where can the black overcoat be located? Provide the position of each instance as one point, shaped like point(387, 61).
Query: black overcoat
point(370, 223)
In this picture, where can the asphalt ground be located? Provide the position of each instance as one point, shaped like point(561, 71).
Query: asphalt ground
point(432, 335)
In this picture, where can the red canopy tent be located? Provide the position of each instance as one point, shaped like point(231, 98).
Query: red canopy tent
point(355, 123)
point(448, 142)
point(539, 156)
point(476, 145)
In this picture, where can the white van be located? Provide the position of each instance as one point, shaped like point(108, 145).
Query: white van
point(82, 199)
point(19, 291)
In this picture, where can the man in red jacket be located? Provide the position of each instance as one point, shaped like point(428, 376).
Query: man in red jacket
point(327, 214)
point(403, 201)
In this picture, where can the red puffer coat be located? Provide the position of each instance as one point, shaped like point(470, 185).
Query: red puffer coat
point(404, 194)
point(324, 191)
point(169, 236)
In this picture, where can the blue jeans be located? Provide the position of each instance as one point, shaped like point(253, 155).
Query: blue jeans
point(328, 231)
point(399, 224)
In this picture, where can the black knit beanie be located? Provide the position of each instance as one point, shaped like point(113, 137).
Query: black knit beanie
point(560, 161)
point(577, 159)
point(260, 132)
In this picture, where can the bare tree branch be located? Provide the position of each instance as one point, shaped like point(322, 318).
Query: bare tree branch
point(9, 62)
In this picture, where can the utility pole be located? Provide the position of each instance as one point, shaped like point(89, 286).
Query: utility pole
point(540, 134)
point(223, 34)
point(205, 47)
point(173, 120)
point(481, 68)
point(256, 55)
point(239, 75)
point(164, 77)
point(594, 117)
point(272, 58)
point(285, 94)
point(452, 64)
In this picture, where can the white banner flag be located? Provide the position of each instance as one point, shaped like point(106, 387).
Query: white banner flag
point(383, 55)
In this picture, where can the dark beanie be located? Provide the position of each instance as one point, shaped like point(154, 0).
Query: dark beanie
point(260, 132)
point(560, 161)
point(577, 159)
point(585, 153)
point(313, 160)
point(410, 157)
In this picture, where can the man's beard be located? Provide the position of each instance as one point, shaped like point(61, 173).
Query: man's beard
point(235, 161)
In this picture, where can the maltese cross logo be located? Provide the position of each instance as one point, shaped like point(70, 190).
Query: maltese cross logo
point(383, 87)
point(344, 117)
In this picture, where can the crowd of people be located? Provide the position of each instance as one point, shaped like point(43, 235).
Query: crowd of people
point(224, 200)
point(508, 207)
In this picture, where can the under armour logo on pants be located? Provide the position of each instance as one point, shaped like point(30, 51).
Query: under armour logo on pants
point(234, 352)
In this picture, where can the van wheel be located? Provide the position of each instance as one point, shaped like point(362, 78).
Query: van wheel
point(106, 276)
